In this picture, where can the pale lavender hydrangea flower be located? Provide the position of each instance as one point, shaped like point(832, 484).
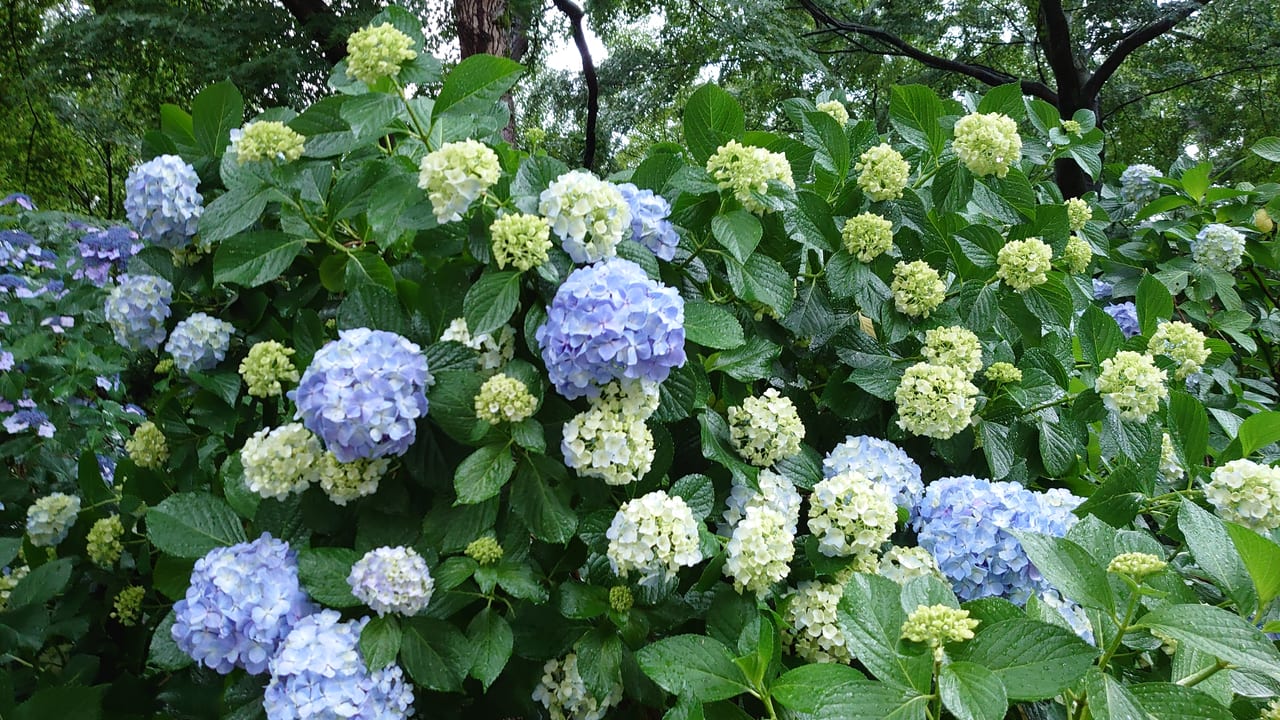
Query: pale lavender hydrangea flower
point(102, 251)
point(880, 461)
point(392, 580)
point(199, 343)
point(162, 202)
point(136, 309)
point(649, 224)
point(1126, 316)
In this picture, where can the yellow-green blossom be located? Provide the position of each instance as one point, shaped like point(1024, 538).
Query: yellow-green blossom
point(747, 171)
point(103, 542)
point(1262, 221)
point(504, 399)
point(882, 173)
point(987, 143)
point(1182, 343)
point(937, 625)
point(344, 482)
point(377, 51)
point(935, 401)
point(1023, 263)
point(521, 240)
point(765, 429)
point(620, 599)
point(1002, 373)
point(281, 461)
point(836, 110)
point(164, 366)
point(1131, 385)
point(867, 236)
point(954, 346)
point(266, 367)
point(455, 175)
point(484, 550)
point(128, 605)
point(148, 447)
point(1077, 254)
point(1071, 127)
point(1136, 565)
point(266, 140)
point(917, 288)
point(1078, 214)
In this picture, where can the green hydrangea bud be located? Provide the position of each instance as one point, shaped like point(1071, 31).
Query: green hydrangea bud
point(376, 52)
point(1136, 565)
point(9, 581)
point(1023, 263)
point(266, 367)
point(103, 542)
point(521, 240)
point(1182, 343)
point(266, 140)
point(534, 136)
point(128, 605)
point(747, 171)
point(1071, 127)
point(937, 625)
point(882, 173)
point(148, 447)
point(344, 482)
point(620, 599)
point(1131, 385)
point(987, 143)
point(836, 110)
point(1078, 213)
point(485, 550)
point(954, 346)
point(1002, 373)
point(164, 366)
point(867, 236)
point(917, 288)
point(935, 401)
point(1077, 255)
point(504, 399)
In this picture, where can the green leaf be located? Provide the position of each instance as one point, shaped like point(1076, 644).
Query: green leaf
point(600, 654)
point(81, 703)
point(972, 692)
point(871, 615)
point(1154, 304)
point(579, 601)
point(693, 665)
point(491, 642)
point(93, 490)
point(837, 692)
point(1100, 336)
point(189, 525)
point(475, 85)
point(372, 306)
point(435, 654)
point(748, 363)
point(1170, 701)
point(215, 112)
point(324, 571)
point(915, 111)
point(739, 232)
point(491, 301)
point(380, 642)
point(802, 689)
point(1261, 558)
point(483, 473)
point(1160, 205)
point(1267, 148)
point(1218, 632)
point(711, 118)
point(1004, 99)
point(1257, 431)
point(368, 268)
point(41, 584)
point(369, 113)
point(233, 211)
point(9, 548)
point(544, 510)
point(164, 653)
point(952, 187)
point(712, 326)
point(252, 259)
point(1214, 552)
point(1196, 180)
point(1111, 700)
point(762, 279)
point(1034, 660)
point(1069, 568)
point(697, 492)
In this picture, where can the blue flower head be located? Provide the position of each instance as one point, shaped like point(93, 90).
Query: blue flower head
point(320, 675)
point(965, 524)
point(649, 224)
point(242, 602)
point(101, 251)
point(882, 462)
point(199, 343)
point(162, 202)
point(136, 310)
point(363, 394)
point(16, 248)
point(1102, 289)
point(608, 322)
point(1126, 316)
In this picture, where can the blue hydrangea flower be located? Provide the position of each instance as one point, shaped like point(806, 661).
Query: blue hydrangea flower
point(649, 224)
point(162, 202)
point(364, 393)
point(608, 322)
point(1102, 289)
point(1126, 316)
point(320, 675)
point(965, 524)
point(107, 468)
point(199, 343)
point(17, 285)
point(136, 309)
point(21, 199)
point(16, 248)
point(242, 602)
point(880, 461)
point(29, 419)
point(101, 251)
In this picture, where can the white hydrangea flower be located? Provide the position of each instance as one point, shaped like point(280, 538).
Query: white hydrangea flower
point(867, 236)
point(987, 143)
point(613, 446)
point(851, 516)
point(1182, 343)
point(565, 696)
point(456, 175)
point(344, 482)
point(504, 399)
point(1170, 466)
point(1218, 246)
point(1131, 385)
point(900, 564)
point(776, 492)
point(917, 288)
point(495, 352)
point(747, 171)
point(760, 549)
point(935, 401)
point(654, 535)
point(589, 215)
point(1137, 183)
point(392, 580)
point(765, 429)
point(1246, 492)
point(50, 518)
point(1024, 263)
point(634, 398)
point(281, 461)
point(813, 628)
point(955, 346)
point(882, 173)
point(836, 110)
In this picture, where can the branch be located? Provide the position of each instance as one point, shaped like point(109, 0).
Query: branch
point(1193, 81)
point(1056, 40)
point(1136, 39)
point(317, 19)
point(575, 14)
point(984, 74)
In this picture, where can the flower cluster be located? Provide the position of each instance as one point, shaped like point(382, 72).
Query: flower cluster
point(1170, 464)
point(765, 429)
point(1137, 183)
point(654, 535)
point(50, 518)
point(266, 140)
point(900, 564)
point(880, 461)
point(917, 288)
point(564, 694)
point(127, 606)
point(494, 351)
point(851, 515)
point(1131, 385)
point(199, 343)
point(649, 224)
point(955, 346)
point(455, 175)
point(965, 524)
point(1003, 373)
point(882, 173)
point(867, 236)
point(1126, 316)
point(589, 215)
point(836, 110)
point(1182, 343)
point(1246, 492)
point(1023, 263)
point(775, 491)
point(148, 447)
point(319, 674)
point(1136, 565)
point(748, 171)
point(504, 399)
point(136, 309)
point(1077, 254)
point(607, 322)
point(102, 251)
point(987, 143)
point(376, 52)
point(282, 461)
point(937, 625)
point(813, 628)
point(1078, 214)
point(29, 418)
point(347, 481)
point(363, 394)
point(392, 580)
point(266, 367)
point(521, 240)
point(607, 442)
point(485, 550)
point(162, 202)
point(935, 401)
point(242, 602)
point(1218, 247)
point(762, 542)
point(102, 544)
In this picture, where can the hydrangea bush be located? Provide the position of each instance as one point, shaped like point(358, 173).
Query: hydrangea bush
point(833, 421)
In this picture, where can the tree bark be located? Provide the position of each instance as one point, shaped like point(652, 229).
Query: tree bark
point(492, 27)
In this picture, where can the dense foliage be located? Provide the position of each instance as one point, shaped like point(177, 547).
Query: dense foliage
point(368, 412)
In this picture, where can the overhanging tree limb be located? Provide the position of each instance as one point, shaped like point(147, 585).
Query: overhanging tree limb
point(318, 21)
point(1137, 38)
point(575, 15)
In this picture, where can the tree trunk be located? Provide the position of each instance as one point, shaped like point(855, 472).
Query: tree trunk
point(495, 28)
